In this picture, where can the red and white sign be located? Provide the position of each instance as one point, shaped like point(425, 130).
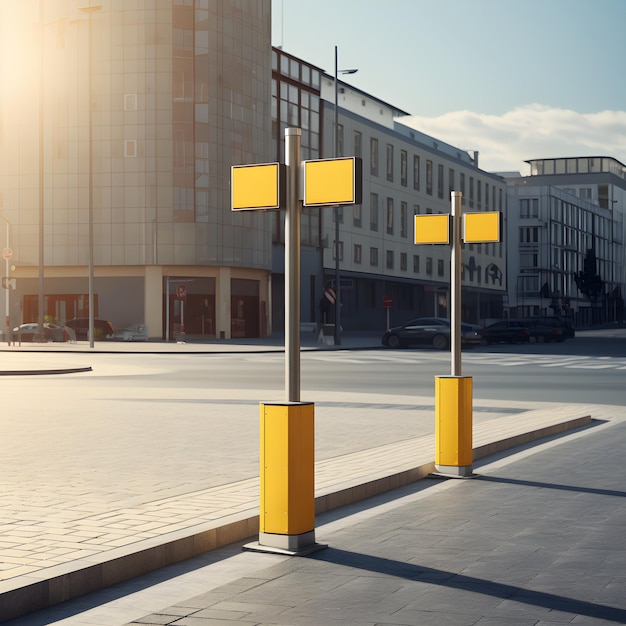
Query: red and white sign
point(330, 295)
point(7, 253)
point(387, 302)
point(181, 292)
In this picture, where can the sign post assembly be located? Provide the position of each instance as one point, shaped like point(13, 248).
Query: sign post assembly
point(453, 394)
point(287, 463)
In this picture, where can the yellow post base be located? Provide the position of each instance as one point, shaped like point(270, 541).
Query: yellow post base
point(453, 425)
point(287, 506)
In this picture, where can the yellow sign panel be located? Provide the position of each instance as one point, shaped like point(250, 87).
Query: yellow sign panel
point(257, 186)
point(333, 181)
point(482, 227)
point(432, 228)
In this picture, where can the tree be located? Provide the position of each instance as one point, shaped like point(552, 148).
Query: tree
point(588, 282)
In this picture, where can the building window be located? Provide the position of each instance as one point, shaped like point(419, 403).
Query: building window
point(416, 172)
point(471, 192)
point(416, 263)
point(462, 184)
point(374, 211)
point(390, 216)
point(429, 266)
point(429, 178)
point(340, 140)
point(403, 261)
point(440, 267)
point(130, 148)
point(358, 144)
point(531, 259)
point(404, 217)
point(403, 168)
point(486, 196)
point(130, 102)
point(374, 156)
point(529, 234)
point(450, 181)
point(340, 251)
point(389, 259)
point(389, 162)
point(357, 253)
point(479, 199)
point(356, 216)
point(529, 208)
point(374, 257)
point(440, 181)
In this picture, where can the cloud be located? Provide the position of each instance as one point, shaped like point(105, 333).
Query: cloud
point(532, 131)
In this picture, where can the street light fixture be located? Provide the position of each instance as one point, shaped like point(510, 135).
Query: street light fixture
point(337, 335)
point(90, 10)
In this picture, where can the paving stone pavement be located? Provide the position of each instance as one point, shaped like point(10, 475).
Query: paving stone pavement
point(73, 532)
point(536, 539)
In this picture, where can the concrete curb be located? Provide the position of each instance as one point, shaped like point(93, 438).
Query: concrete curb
point(70, 581)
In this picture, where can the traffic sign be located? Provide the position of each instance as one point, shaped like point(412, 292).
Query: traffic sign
point(8, 283)
point(7, 253)
point(330, 295)
point(333, 181)
point(257, 186)
point(181, 292)
point(432, 228)
point(482, 227)
point(387, 302)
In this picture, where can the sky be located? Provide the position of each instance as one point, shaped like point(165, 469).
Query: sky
point(512, 79)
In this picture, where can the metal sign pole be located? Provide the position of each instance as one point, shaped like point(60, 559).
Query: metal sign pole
point(455, 283)
point(292, 265)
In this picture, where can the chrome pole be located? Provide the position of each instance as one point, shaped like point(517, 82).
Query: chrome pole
point(292, 265)
point(455, 283)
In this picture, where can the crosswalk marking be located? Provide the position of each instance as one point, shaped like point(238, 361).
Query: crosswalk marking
point(360, 357)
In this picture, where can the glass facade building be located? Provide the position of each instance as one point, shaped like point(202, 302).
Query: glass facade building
point(161, 97)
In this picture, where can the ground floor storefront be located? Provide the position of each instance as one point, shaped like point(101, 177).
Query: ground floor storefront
point(199, 302)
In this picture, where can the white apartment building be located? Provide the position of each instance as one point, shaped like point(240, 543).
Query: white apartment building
point(405, 173)
point(566, 207)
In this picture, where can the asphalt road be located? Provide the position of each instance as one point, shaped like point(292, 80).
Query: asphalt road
point(583, 370)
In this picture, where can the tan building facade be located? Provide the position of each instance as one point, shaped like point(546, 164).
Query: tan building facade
point(141, 108)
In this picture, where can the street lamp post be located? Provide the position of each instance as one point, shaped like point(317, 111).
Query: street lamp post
point(90, 10)
point(337, 336)
point(7, 285)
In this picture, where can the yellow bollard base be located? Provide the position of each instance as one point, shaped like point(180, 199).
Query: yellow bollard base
point(454, 471)
point(453, 425)
point(289, 545)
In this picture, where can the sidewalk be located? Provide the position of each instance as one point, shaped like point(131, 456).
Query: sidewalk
point(84, 546)
point(533, 540)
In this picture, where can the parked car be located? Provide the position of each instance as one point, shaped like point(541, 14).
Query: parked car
point(101, 328)
point(429, 331)
point(51, 332)
point(567, 330)
point(543, 329)
point(508, 331)
point(135, 332)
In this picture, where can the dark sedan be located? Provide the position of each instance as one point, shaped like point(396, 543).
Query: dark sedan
point(429, 331)
point(101, 328)
point(505, 331)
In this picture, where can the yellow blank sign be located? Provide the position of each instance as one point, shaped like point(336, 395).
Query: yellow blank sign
point(482, 227)
point(432, 228)
point(333, 181)
point(256, 186)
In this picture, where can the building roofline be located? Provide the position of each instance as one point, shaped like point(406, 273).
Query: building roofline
point(397, 112)
point(582, 156)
